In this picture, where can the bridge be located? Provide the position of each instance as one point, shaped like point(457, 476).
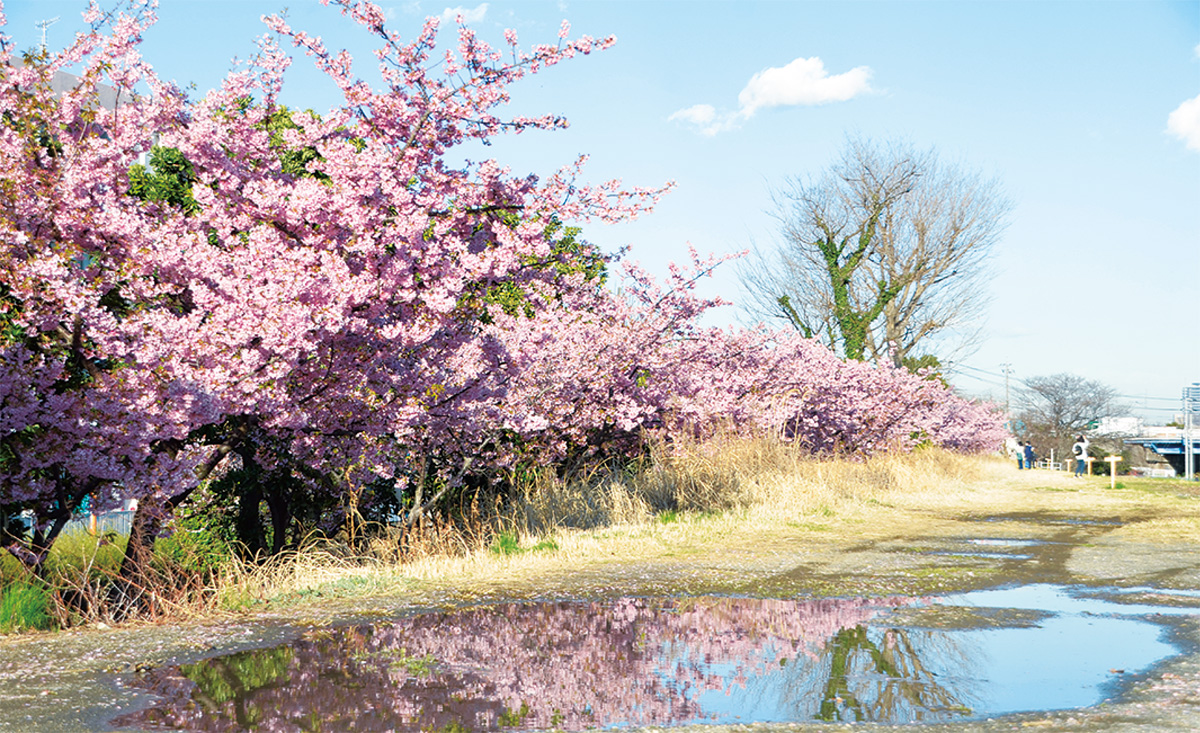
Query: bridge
point(1171, 449)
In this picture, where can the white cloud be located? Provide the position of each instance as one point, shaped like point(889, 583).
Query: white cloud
point(697, 114)
point(802, 82)
point(1184, 123)
point(1196, 50)
point(705, 118)
point(469, 15)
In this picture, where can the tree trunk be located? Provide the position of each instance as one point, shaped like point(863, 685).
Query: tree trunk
point(249, 519)
point(281, 515)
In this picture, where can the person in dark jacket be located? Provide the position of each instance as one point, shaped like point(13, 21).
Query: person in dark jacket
point(1030, 457)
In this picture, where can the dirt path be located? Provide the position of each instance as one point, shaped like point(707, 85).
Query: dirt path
point(1004, 529)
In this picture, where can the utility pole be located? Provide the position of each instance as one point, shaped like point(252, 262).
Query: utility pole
point(1007, 412)
point(1191, 405)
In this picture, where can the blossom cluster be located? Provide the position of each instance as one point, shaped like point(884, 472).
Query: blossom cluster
point(324, 298)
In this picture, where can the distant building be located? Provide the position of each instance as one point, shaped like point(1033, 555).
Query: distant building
point(63, 82)
point(1121, 427)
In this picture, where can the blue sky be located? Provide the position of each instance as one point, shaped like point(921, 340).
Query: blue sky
point(1069, 104)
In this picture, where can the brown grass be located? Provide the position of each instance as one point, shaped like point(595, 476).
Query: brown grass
point(684, 498)
point(720, 502)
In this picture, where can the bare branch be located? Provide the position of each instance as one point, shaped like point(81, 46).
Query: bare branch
point(884, 255)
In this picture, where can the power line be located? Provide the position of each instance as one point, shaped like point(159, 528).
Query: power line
point(1137, 397)
point(1008, 371)
point(977, 369)
point(990, 382)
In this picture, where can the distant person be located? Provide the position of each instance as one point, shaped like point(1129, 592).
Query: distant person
point(1080, 451)
point(1018, 452)
point(1030, 457)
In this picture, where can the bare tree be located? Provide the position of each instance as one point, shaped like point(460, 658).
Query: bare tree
point(1060, 406)
point(883, 255)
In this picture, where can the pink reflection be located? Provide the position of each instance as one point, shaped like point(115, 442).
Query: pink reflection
point(555, 665)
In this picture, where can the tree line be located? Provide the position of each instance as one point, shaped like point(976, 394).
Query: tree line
point(306, 312)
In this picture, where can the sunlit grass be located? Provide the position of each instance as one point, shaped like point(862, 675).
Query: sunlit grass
point(686, 500)
point(25, 606)
point(705, 500)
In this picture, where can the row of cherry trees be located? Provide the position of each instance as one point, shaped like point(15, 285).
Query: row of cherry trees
point(326, 301)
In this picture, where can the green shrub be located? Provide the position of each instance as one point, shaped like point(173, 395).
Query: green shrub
point(1101, 467)
point(193, 548)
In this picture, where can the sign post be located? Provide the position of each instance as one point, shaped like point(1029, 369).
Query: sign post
point(1112, 470)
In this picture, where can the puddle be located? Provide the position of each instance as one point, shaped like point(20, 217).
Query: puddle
point(997, 542)
point(577, 665)
point(1171, 592)
point(1163, 600)
point(1053, 521)
point(989, 549)
point(982, 555)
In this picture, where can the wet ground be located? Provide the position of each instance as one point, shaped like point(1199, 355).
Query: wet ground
point(1044, 563)
point(578, 665)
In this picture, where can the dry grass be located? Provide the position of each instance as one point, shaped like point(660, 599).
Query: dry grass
point(707, 500)
point(683, 499)
point(718, 502)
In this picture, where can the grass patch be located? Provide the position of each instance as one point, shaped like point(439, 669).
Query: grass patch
point(25, 606)
point(810, 526)
point(508, 543)
point(546, 545)
point(187, 576)
point(686, 500)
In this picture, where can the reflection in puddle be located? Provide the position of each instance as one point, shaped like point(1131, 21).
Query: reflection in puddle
point(1080, 646)
point(664, 662)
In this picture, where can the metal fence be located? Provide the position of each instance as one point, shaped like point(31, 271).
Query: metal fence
point(117, 522)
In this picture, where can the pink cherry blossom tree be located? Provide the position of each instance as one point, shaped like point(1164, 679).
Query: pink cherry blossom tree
point(329, 300)
point(306, 317)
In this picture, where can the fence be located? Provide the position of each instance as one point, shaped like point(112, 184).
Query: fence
point(116, 522)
